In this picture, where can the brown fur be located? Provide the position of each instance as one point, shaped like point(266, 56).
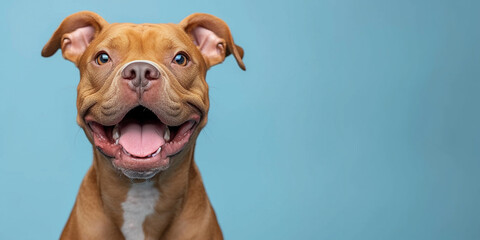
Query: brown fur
point(183, 210)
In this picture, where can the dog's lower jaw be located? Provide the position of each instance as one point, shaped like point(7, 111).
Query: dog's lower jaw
point(180, 189)
point(143, 175)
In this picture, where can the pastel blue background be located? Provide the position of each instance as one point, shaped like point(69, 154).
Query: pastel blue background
point(354, 119)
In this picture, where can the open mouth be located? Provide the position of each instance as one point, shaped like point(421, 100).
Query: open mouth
point(141, 144)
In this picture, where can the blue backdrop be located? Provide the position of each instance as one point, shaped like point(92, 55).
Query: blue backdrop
point(354, 119)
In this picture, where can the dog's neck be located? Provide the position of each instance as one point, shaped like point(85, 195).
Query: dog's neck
point(154, 208)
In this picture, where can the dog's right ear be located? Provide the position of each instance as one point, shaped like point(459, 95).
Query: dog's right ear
point(74, 35)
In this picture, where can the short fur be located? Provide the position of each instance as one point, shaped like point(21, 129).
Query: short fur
point(182, 210)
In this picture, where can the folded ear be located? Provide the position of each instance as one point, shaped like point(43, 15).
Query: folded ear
point(212, 37)
point(74, 35)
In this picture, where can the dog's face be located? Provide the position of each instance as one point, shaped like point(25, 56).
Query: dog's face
point(142, 97)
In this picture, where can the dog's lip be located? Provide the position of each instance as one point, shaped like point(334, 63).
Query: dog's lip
point(89, 120)
point(126, 162)
point(196, 116)
point(107, 145)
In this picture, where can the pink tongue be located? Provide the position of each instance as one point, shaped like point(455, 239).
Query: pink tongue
point(141, 140)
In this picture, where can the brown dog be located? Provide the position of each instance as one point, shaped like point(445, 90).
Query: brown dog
point(142, 101)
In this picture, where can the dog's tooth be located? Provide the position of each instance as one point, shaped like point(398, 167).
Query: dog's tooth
point(155, 153)
point(115, 134)
point(166, 136)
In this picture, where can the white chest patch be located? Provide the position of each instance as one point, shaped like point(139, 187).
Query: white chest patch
point(140, 203)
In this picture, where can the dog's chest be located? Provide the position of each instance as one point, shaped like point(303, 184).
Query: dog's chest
point(140, 203)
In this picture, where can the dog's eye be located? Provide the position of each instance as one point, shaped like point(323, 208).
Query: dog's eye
point(180, 59)
point(102, 58)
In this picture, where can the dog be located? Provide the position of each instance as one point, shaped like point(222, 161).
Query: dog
point(142, 100)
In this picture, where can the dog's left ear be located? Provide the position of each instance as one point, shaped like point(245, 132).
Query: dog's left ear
point(213, 38)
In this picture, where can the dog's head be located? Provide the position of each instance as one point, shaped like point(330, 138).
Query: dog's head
point(142, 97)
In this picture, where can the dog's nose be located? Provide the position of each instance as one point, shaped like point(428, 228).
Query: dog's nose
point(139, 75)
